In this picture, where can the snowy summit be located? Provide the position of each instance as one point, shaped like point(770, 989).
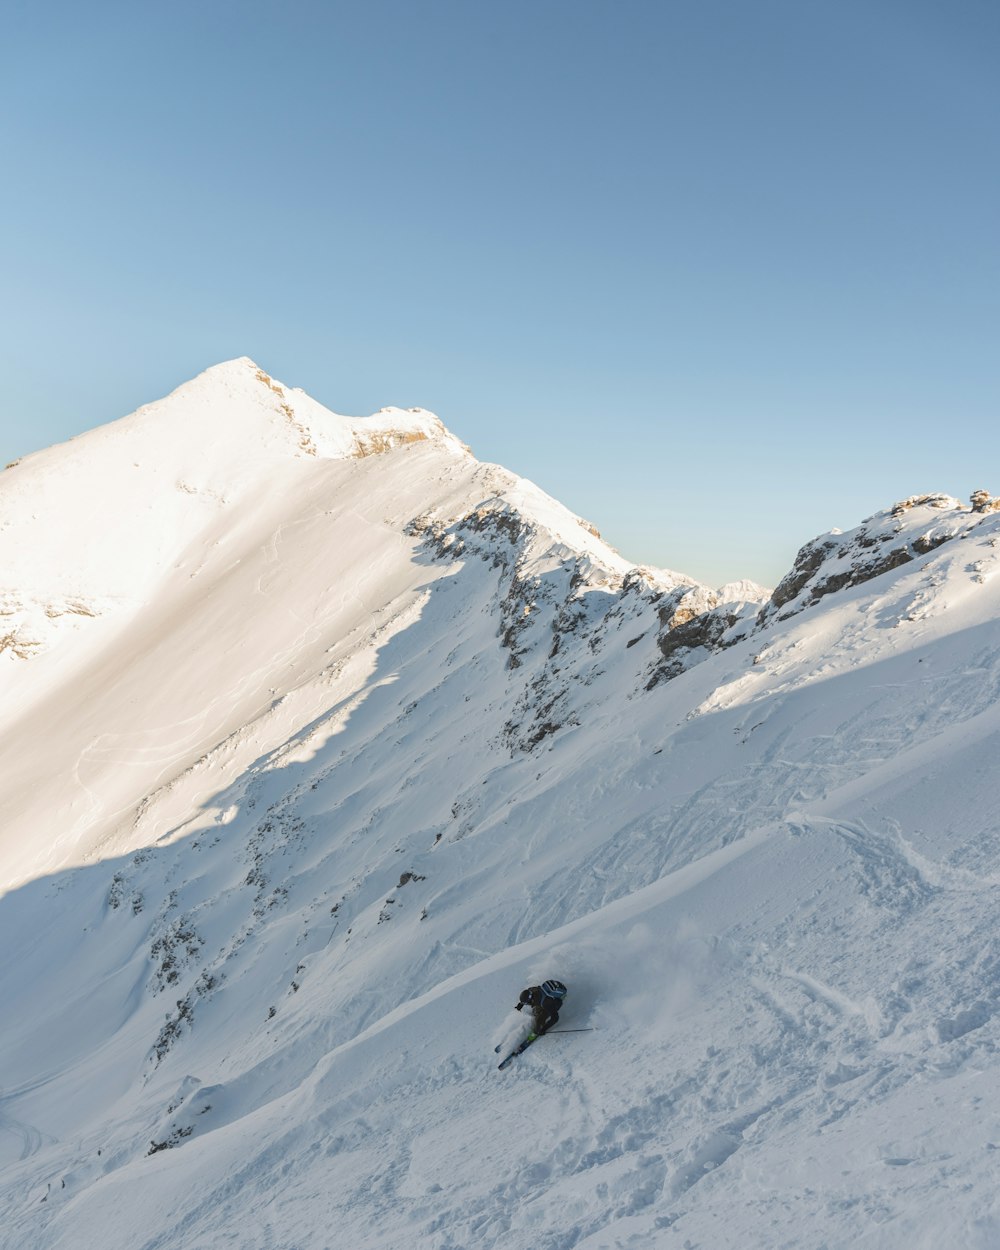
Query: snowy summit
point(323, 740)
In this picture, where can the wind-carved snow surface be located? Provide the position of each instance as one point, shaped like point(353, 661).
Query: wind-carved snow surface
point(322, 739)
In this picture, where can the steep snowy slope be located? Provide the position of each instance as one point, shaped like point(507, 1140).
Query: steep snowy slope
point(363, 734)
point(140, 547)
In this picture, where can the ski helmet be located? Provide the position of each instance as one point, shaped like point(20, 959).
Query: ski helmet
point(554, 989)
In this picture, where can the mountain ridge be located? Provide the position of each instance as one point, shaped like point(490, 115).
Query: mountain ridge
point(383, 738)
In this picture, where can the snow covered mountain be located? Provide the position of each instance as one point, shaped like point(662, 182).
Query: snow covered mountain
point(320, 739)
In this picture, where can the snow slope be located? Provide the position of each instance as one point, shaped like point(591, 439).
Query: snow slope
point(321, 739)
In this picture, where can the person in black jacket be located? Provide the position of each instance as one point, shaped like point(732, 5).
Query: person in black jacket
point(544, 1001)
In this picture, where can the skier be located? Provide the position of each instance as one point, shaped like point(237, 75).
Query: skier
point(544, 1001)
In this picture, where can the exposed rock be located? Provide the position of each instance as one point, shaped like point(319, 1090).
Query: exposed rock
point(379, 442)
point(819, 571)
point(944, 502)
point(18, 645)
point(694, 622)
point(983, 501)
point(809, 559)
point(911, 528)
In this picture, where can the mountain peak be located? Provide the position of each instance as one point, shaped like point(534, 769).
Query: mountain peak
point(240, 389)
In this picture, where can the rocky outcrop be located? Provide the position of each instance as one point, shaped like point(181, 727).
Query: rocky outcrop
point(694, 622)
point(983, 501)
point(911, 528)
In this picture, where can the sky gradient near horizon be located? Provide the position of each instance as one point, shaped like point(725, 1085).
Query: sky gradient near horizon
point(719, 276)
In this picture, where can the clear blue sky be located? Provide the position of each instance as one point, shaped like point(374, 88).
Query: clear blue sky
point(718, 274)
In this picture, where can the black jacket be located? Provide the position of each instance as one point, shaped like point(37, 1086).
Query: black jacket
point(546, 1009)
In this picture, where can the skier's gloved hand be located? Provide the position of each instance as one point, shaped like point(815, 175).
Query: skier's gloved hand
point(518, 1006)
